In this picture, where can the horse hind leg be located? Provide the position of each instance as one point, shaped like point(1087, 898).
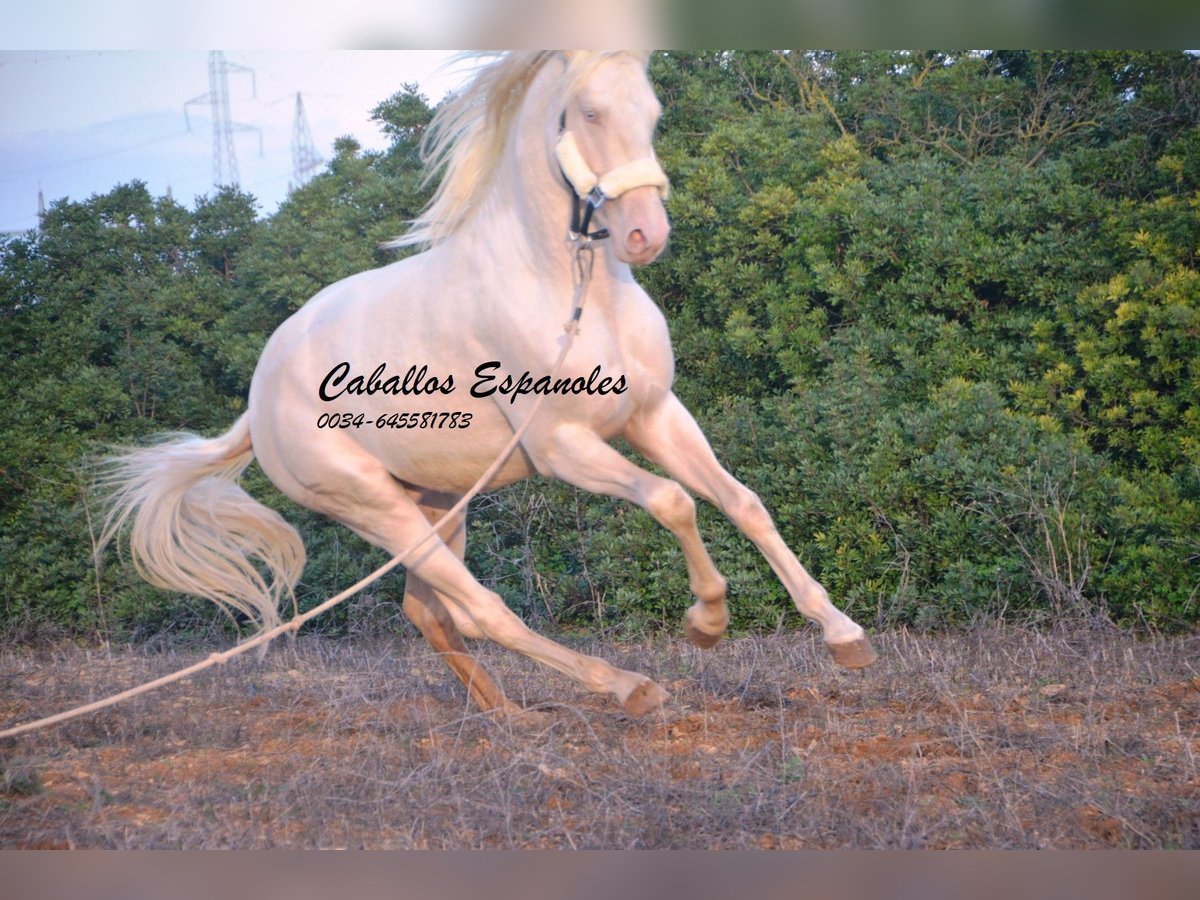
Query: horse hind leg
point(425, 610)
point(429, 613)
point(377, 508)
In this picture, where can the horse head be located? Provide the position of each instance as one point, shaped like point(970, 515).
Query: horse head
point(606, 151)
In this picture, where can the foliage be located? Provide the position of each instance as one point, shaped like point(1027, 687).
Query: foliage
point(941, 310)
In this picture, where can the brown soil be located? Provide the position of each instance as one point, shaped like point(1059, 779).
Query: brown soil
point(995, 738)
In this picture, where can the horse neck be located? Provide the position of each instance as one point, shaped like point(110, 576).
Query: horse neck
point(527, 206)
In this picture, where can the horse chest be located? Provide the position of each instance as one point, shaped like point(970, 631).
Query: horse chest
point(642, 346)
point(619, 366)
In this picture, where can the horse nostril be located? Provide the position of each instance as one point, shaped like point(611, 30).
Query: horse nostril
point(637, 240)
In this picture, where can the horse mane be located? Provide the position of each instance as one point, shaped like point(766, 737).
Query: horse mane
point(466, 138)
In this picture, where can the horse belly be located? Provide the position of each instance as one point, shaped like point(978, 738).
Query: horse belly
point(434, 455)
point(446, 443)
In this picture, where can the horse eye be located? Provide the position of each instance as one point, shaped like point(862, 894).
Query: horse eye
point(590, 115)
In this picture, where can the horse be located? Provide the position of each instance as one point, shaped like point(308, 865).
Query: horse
point(383, 398)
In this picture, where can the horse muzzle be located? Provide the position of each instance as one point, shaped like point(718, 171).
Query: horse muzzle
point(636, 190)
point(639, 225)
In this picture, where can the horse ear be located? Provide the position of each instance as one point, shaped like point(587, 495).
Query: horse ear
point(567, 57)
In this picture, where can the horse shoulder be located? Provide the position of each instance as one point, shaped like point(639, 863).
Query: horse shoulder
point(645, 344)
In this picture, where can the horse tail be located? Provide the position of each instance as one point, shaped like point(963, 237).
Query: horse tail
point(194, 530)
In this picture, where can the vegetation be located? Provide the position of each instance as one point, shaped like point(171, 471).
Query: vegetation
point(941, 310)
point(995, 737)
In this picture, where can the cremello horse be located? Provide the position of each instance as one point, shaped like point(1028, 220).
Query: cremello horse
point(485, 304)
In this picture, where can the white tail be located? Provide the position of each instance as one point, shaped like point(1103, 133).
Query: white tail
point(192, 527)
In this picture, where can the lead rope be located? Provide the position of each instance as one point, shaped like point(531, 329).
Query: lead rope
point(583, 262)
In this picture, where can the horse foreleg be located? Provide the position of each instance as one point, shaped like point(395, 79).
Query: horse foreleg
point(669, 436)
point(580, 457)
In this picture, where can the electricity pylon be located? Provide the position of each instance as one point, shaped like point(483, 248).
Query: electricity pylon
point(304, 152)
point(225, 168)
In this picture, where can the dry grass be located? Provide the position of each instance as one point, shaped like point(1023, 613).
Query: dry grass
point(1000, 737)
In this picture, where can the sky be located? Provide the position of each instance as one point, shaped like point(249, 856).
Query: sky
point(73, 124)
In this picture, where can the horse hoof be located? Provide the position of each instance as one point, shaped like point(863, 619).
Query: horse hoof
point(856, 654)
point(701, 639)
point(527, 719)
point(644, 698)
point(704, 638)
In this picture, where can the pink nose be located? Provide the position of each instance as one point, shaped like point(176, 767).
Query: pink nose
point(641, 224)
point(643, 245)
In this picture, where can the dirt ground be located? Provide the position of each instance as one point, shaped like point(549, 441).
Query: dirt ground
point(996, 738)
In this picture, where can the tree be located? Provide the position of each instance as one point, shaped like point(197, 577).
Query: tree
point(938, 308)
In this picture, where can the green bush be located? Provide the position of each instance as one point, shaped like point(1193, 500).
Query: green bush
point(940, 310)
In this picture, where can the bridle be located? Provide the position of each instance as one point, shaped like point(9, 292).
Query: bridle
point(589, 190)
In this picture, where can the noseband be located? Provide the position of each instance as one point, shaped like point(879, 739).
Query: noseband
point(591, 190)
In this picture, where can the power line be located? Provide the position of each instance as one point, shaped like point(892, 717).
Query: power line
point(14, 174)
point(38, 57)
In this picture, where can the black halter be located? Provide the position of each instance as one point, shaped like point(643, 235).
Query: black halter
point(582, 207)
